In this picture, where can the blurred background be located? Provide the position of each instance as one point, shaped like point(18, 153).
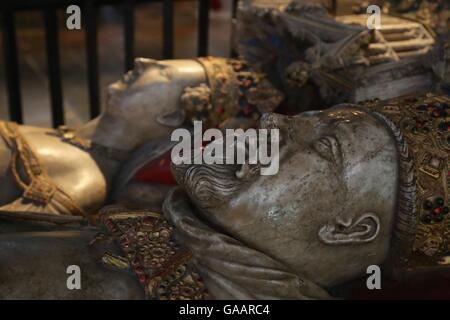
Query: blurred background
point(33, 66)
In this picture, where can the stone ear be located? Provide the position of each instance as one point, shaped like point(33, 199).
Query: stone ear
point(172, 119)
point(363, 230)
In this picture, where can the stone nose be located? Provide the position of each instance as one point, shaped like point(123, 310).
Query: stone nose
point(141, 64)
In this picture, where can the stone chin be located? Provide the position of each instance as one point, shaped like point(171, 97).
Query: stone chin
point(332, 203)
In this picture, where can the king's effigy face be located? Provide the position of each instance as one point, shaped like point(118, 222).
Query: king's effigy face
point(147, 82)
point(148, 98)
point(328, 212)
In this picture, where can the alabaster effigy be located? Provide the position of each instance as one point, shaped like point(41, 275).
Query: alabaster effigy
point(74, 172)
point(319, 61)
point(358, 185)
point(364, 124)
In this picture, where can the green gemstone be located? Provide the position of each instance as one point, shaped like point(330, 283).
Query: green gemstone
point(439, 201)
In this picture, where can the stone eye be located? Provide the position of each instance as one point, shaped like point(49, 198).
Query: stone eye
point(328, 148)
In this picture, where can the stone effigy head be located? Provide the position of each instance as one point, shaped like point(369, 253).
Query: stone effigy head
point(353, 189)
point(148, 97)
point(332, 201)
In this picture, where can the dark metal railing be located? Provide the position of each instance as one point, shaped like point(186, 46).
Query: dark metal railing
point(53, 65)
point(11, 66)
point(168, 29)
point(90, 11)
point(91, 34)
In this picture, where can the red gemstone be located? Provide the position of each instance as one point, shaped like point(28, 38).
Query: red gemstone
point(220, 110)
point(437, 210)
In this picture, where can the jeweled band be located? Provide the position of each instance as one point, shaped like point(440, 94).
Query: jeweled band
point(424, 124)
point(162, 266)
point(234, 90)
